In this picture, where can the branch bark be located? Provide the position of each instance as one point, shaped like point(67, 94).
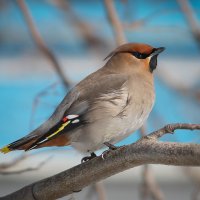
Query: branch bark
point(40, 42)
point(147, 150)
point(115, 22)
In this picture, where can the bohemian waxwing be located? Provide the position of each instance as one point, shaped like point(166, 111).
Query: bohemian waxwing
point(104, 108)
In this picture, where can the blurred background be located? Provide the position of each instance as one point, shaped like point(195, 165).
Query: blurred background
point(47, 46)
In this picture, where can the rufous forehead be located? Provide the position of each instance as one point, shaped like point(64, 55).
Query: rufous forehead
point(135, 47)
point(141, 48)
point(132, 47)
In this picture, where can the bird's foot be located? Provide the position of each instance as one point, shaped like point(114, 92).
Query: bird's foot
point(111, 148)
point(87, 158)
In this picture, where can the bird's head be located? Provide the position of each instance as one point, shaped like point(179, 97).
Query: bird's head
point(137, 55)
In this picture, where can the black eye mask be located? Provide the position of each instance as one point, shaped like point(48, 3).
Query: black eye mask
point(144, 55)
point(139, 55)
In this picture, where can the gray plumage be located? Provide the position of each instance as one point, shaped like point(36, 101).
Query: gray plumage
point(111, 103)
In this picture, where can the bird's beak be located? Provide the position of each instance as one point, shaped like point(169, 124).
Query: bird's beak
point(157, 51)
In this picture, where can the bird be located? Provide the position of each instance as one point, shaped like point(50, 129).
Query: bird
point(102, 109)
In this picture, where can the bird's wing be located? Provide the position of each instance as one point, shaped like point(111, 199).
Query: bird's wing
point(53, 121)
point(71, 112)
point(58, 113)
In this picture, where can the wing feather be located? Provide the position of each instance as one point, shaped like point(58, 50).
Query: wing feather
point(78, 102)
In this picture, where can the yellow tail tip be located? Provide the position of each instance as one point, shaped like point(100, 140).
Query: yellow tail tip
point(5, 150)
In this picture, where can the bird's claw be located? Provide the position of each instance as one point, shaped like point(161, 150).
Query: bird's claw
point(103, 154)
point(111, 148)
point(87, 158)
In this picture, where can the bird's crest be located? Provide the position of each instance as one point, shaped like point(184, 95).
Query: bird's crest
point(143, 49)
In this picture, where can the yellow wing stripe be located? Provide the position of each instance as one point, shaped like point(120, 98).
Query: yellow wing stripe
point(60, 129)
point(5, 149)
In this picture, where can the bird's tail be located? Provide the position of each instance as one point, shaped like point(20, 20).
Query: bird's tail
point(20, 144)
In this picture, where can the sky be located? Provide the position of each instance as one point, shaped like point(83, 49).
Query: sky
point(165, 25)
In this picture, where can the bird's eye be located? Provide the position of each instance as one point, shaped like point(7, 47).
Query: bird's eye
point(139, 55)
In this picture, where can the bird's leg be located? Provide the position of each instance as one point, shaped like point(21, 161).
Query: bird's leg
point(110, 146)
point(87, 158)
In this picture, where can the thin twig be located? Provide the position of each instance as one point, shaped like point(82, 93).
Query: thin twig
point(191, 18)
point(189, 14)
point(115, 22)
point(100, 189)
point(85, 29)
point(37, 100)
point(26, 169)
point(13, 162)
point(150, 187)
point(170, 128)
point(97, 188)
point(40, 42)
point(141, 22)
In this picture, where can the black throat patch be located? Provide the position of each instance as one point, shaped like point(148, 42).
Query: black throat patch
point(153, 63)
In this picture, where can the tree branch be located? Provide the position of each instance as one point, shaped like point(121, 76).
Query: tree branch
point(40, 43)
point(114, 20)
point(191, 19)
point(149, 187)
point(147, 150)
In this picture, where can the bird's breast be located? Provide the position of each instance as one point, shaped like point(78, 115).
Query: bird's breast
point(141, 100)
